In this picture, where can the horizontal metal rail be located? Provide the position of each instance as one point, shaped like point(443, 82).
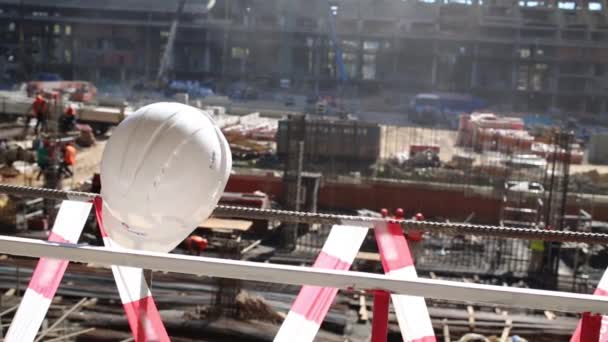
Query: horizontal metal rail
point(294, 275)
point(361, 221)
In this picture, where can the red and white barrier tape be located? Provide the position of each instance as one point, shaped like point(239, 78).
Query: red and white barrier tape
point(412, 313)
point(312, 303)
point(140, 309)
point(48, 273)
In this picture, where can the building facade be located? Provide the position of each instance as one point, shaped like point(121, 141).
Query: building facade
point(527, 55)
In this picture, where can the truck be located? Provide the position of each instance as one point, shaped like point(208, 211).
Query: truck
point(102, 118)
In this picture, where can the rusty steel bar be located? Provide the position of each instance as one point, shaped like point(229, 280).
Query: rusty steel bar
point(361, 221)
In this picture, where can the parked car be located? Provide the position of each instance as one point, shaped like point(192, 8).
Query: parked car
point(525, 186)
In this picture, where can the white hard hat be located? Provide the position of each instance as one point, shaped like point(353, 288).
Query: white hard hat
point(163, 172)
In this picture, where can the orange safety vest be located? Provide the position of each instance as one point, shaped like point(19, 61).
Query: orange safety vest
point(39, 105)
point(69, 155)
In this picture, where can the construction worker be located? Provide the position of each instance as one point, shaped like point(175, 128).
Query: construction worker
point(69, 159)
point(40, 109)
point(68, 119)
point(42, 157)
point(537, 252)
point(196, 244)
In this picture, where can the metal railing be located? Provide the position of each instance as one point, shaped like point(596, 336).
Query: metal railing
point(284, 274)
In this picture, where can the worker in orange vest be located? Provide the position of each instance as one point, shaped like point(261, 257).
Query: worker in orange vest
point(68, 119)
point(69, 159)
point(40, 108)
point(196, 244)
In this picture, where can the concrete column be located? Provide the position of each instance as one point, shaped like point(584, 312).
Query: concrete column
point(317, 51)
point(474, 67)
point(359, 74)
point(434, 72)
point(553, 101)
point(396, 46)
point(147, 49)
point(514, 68)
point(207, 53)
point(286, 22)
point(584, 105)
point(434, 67)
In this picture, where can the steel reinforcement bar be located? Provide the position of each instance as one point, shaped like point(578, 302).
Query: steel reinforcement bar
point(362, 221)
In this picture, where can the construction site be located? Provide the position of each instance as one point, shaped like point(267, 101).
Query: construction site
point(464, 141)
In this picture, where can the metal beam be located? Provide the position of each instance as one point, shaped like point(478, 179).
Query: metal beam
point(284, 274)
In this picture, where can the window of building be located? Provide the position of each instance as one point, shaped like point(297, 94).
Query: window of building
point(40, 14)
point(239, 52)
point(371, 46)
point(11, 26)
point(595, 6)
point(369, 67)
point(567, 5)
point(540, 52)
point(56, 29)
point(68, 30)
point(67, 56)
point(528, 4)
point(524, 53)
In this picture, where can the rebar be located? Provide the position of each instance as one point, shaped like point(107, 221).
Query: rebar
point(361, 221)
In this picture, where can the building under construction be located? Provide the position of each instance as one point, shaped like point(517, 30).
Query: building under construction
point(525, 56)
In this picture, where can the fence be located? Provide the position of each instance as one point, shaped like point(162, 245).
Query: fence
point(500, 259)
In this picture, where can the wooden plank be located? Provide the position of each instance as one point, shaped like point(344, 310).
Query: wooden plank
point(363, 313)
point(446, 331)
point(226, 224)
point(285, 274)
point(368, 256)
point(507, 329)
point(471, 313)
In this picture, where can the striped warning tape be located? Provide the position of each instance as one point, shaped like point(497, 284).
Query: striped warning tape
point(48, 273)
point(140, 309)
point(313, 302)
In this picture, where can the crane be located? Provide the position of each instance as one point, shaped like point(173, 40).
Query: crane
point(333, 11)
point(166, 63)
point(342, 75)
point(167, 60)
